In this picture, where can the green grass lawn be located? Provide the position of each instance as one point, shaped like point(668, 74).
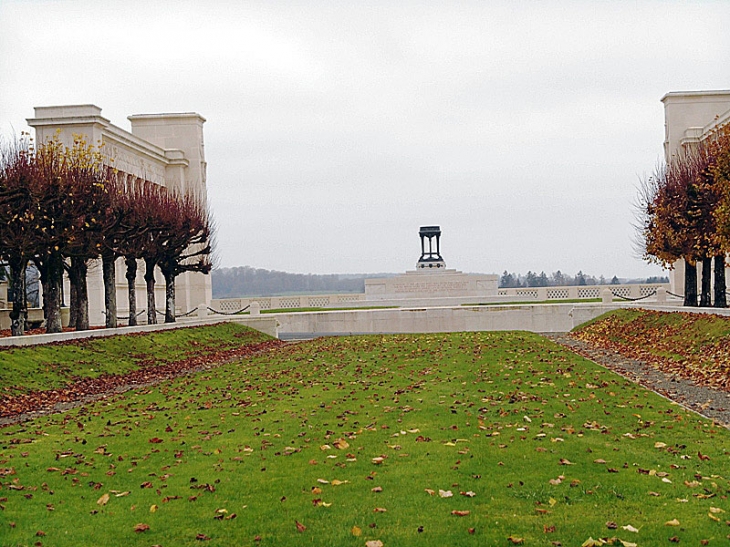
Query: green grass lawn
point(23, 369)
point(555, 301)
point(440, 439)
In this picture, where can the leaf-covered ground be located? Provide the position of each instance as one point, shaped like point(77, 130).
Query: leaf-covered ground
point(449, 439)
point(40, 377)
point(694, 346)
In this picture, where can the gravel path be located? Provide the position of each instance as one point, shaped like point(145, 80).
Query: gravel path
point(708, 402)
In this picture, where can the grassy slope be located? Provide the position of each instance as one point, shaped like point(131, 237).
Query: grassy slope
point(489, 413)
point(55, 365)
point(693, 345)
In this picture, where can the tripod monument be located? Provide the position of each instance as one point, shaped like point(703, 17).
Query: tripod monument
point(431, 283)
point(430, 258)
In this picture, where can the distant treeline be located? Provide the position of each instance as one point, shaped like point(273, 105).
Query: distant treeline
point(246, 281)
point(558, 279)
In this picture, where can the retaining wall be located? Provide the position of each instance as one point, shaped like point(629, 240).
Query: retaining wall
point(533, 318)
point(267, 325)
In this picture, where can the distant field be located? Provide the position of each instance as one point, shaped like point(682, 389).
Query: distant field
point(449, 439)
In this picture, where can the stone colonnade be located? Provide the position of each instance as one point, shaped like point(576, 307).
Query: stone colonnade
point(163, 149)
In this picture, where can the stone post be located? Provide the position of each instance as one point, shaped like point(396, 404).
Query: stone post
point(606, 296)
point(254, 308)
point(202, 311)
point(661, 295)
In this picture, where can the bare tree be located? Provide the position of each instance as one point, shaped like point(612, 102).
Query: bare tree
point(178, 239)
point(17, 220)
point(187, 245)
point(89, 203)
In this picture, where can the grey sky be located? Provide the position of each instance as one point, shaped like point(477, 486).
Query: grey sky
point(336, 129)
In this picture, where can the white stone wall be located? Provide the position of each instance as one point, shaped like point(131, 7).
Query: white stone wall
point(431, 284)
point(533, 318)
point(688, 116)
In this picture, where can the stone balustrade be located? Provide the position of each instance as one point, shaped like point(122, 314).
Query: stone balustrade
point(229, 305)
point(583, 292)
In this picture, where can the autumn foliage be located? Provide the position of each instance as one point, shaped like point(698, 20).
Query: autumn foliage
point(688, 345)
point(684, 213)
point(63, 207)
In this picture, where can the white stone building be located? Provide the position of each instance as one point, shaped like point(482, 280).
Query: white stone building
point(164, 149)
point(689, 117)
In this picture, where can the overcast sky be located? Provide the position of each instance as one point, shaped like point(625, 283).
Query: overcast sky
point(335, 129)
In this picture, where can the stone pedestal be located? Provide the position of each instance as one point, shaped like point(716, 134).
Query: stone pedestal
point(427, 283)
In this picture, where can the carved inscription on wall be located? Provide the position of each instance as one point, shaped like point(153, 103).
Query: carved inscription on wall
point(439, 286)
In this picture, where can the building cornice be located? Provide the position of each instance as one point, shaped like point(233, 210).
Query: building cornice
point(58, 116)
point(190, 116)
point(723, 94)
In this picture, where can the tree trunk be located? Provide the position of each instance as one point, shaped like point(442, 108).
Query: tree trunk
point(149, 277)
point(77, 274)
point(43, 278)
point(690, 284)
point(52, 287)
point(110, 290)
point(19, 313)
point(705, 301)
point(720, 290)
point(73, 299)
point(169, 297)
point(132, 289)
